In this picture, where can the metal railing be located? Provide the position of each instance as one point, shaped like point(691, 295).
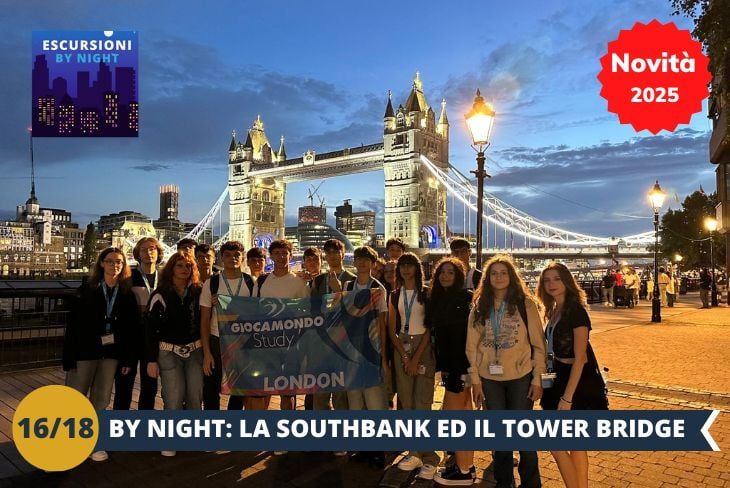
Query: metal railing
point(31, 339)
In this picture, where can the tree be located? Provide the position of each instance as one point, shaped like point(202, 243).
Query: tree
point(90, 249)
point(683, 232)
point(712, 29)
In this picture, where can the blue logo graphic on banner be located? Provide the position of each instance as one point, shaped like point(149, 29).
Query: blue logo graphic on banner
point(85, 84)
point(292, 346)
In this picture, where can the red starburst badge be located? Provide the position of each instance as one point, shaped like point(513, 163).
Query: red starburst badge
point(654, 76)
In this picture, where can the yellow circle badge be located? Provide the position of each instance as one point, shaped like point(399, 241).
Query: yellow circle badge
point(55, 428)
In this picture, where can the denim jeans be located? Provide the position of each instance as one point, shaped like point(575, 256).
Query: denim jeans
point(373, 398)
point(512, 395)
point(182, 380)
point(95, 375)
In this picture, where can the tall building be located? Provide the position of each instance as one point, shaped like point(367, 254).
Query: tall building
point(46, 108)
point(312, 214)
point(343, 216)
point(116, 221)
point(125, 83)
point(111, 109)
point(169, 202)
point(41, 75)
point(358, 226)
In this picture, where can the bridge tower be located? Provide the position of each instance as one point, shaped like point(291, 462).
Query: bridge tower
point(256, 204)
point(415, 204)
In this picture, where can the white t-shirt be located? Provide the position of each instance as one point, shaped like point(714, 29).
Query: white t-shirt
point(206, 299)
point(287, 286)
point(382, 302)
point(469, 281)
point(418, 313)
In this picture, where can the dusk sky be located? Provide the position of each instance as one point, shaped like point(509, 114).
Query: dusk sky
point(319, 72)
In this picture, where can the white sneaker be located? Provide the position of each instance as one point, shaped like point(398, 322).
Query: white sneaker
point(427, 472)
point(340, 453)
point(280, 453)
point(168, 453)
point(222, 452)
point(409, 463)
point(99, 456)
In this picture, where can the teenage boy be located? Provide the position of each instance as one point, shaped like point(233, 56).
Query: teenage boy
point(148, 252)
point(232, 282)
point(312, 264)
point(461, 250)
point(333, 280)
point(256, 261)
point(395, 247)
point(187, 246)
point(282, 283)
point(374, 397)
point(204, 258)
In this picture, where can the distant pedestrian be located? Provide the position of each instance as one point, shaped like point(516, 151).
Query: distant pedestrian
point(663, 282)
point(705, 286)
point(609, 280)
point(671, 293)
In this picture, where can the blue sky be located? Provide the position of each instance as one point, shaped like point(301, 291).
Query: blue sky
point(319, 72)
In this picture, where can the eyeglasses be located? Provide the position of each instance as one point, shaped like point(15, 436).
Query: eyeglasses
point(115, 262)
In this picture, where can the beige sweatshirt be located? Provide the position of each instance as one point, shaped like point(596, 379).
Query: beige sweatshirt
point(516, 354)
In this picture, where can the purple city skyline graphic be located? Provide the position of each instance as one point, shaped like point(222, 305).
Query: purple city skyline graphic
point(85, 84)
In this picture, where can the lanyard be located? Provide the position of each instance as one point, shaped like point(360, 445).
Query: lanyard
point(327, 281)
point(495, 320)
point(550, 330)
point(355, 286)
point(408, 307)
point(228, 287)
point(147, 283)
point(109, 304)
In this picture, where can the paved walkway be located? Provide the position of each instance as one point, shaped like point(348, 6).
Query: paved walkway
point(679, 363)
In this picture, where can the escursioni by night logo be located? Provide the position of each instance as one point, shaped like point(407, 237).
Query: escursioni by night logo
point(85, 84)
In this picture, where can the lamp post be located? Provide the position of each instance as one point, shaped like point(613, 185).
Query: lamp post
point(711, 226)
point(480, 120)
point(656, 197)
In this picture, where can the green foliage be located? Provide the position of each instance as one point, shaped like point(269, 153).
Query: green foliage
point(682, 230)
point(90, 249)
point(712, 29)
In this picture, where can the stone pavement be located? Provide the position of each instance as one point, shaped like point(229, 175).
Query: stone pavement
point(680, 363)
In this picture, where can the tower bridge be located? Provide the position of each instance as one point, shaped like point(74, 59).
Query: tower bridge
point(418, 183)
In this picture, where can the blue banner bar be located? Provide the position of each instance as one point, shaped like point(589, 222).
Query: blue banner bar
point(616, 430)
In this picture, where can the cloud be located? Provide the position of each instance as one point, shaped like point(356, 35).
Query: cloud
point(151, 167)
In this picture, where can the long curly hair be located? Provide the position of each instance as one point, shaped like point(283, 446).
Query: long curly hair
point(410, 258)
point(437, 290)
point(97, 272)
point(484, 296)
point(166, 281)
point(574, 295)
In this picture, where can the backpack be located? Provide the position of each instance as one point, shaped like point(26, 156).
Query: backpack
point(215, 282)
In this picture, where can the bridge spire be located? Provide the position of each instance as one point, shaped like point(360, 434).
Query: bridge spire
point(232, 147)
point(389, 107)
point(282, 152)
point(443, 126)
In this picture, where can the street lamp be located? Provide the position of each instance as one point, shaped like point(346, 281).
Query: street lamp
point(480, 120)
point(656, 197)
point(711, 226)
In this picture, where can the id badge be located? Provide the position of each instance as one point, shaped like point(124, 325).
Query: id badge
point(107, 339)
point(548, 379)
point(407, 347)
point(496, 369)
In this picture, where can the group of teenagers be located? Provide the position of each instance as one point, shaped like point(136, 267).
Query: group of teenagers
point(496, 345)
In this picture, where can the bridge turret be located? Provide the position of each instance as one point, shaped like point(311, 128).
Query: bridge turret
point(248, 148)
point(232, 147)
point(281, 155)
point(389, 116)
point(442, 128)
